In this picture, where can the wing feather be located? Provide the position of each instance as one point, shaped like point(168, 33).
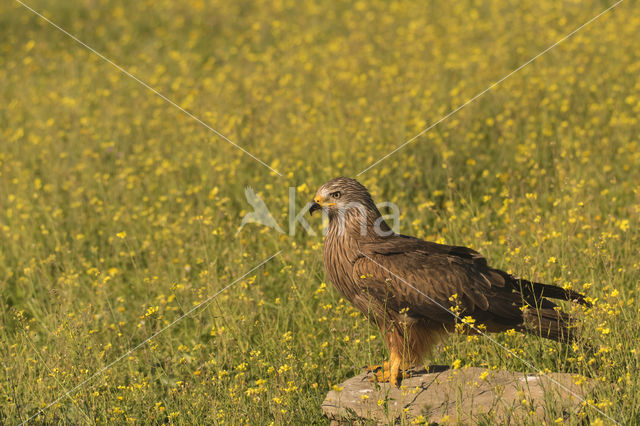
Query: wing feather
point(405, 272)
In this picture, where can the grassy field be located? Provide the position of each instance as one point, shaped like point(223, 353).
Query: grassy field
point(119, 213)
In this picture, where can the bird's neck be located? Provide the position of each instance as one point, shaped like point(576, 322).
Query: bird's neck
point(360, 224)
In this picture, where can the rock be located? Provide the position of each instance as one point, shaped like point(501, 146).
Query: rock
point(466, 395)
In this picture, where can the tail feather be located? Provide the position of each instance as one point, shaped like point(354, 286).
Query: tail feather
point(534, 292)
point(542, 317)
point(550, 323)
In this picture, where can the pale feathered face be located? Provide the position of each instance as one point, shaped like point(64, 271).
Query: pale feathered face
point(339, 195)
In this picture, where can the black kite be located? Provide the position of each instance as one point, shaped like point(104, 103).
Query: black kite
point(408, 287)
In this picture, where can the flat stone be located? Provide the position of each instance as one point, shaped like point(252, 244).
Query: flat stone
point(466, 395)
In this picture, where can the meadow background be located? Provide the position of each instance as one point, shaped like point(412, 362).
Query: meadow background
point(118, 213)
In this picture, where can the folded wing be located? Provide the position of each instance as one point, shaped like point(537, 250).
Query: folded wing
point(430, 279)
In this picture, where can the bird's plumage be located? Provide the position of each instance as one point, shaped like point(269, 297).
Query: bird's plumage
point(411, 288)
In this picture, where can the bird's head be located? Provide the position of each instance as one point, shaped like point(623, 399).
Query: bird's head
point(340, 195)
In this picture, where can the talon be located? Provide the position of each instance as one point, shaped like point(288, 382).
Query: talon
point(392, 371)
point(374, 368)
point(383, 374)
point(380, 376)
point(396, 380)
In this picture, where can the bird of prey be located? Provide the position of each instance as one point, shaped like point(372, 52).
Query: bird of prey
point(416, 291)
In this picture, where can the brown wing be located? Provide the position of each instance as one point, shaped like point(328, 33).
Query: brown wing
point(406, 272)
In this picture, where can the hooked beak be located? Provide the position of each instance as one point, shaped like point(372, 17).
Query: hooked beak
point(314, 206)
point(318, 204)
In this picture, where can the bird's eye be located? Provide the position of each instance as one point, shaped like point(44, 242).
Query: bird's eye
point(335, 194)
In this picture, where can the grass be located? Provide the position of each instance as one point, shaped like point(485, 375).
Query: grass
point(118, 213)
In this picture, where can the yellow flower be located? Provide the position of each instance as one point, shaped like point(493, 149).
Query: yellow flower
point(624, 225)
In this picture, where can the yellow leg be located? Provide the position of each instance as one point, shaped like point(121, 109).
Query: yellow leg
point(390, 370)
point(395, 368)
